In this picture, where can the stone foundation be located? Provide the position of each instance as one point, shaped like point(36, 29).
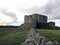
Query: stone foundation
point(34, 38)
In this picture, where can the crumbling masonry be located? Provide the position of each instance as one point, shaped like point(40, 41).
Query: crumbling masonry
point(35, 19)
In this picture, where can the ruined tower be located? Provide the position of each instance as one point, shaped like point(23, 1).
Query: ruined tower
point(38, 21)
point(35, 19)
point(28, 19)
point(25, 19)
point(40, 18)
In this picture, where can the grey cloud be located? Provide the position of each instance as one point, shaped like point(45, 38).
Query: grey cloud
point(52, 6)
point(56, 13)
point(34, 9)
point(10, 14)
point(52, 9)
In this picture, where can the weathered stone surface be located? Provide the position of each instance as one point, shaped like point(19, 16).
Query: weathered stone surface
point(49, 43)
point(43, 40)
point(52, 24)
point(34, 19)
point(25, 19)
point(56, 43)
point(34, 38)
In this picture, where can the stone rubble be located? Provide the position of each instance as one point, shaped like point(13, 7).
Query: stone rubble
point(34, 38)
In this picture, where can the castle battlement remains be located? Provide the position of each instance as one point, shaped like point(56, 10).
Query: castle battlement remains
point(35, 18)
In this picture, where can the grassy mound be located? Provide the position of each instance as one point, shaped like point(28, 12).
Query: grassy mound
point(13, 36)
point(50, 34)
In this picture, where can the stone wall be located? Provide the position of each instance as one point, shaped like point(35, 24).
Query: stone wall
point(52, 24)
point(35, 18)
point(34, 38)
point(28, 19)
point(40, 18)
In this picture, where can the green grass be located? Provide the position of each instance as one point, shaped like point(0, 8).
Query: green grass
point(50, 34)
point(16, 36)
point(13, 36)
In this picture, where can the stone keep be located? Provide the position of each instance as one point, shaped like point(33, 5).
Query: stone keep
point(34, 19)
point(28, 19)
point(40, 18)
point(25, 19)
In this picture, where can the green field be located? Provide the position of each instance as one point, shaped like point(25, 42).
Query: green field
point(13, 36)
point(18, 35)
point(50, 34)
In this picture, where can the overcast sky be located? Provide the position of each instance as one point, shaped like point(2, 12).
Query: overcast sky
point(13, 11)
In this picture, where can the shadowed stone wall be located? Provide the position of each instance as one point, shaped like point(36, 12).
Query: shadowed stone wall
point(52, 24)
point(35, 18)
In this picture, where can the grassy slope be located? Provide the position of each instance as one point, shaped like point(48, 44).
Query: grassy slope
point(50, 34)
point(13, 36)
point(17, 36)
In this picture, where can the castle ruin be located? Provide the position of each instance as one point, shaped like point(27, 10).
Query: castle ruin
point(37, 19)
